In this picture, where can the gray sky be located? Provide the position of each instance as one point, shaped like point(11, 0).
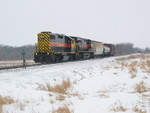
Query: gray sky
point(111, 21)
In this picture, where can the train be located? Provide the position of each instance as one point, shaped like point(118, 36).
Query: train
point(54, 47)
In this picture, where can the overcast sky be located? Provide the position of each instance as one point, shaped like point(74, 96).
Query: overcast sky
point(111, 21)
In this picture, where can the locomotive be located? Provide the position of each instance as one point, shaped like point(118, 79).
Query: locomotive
point(53, 47)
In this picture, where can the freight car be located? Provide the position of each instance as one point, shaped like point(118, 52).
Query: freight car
point(53, 47)
point(99, 49)
point(111, 50)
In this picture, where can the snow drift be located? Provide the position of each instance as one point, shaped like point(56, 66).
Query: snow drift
point(117, 84)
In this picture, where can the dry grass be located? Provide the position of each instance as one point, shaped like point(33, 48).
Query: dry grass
point(141, 87)
point(134, 66)
point(59, 88)
point(142, 56)
point(128, 57)
point(5, 101)
point(133, 70)
point(140, 107)
point(146, 96)
point(104, 93)
point(138, 110)
point(116, 67)
point(22, 106)
point(123, 64)
point(143, 104)
point(52, 101)
point(106, 68)
point(118, 107)
point(60, 98)
point(145, 66)
point(63, 109)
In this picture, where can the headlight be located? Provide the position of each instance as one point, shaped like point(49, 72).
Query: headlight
point(47, 53)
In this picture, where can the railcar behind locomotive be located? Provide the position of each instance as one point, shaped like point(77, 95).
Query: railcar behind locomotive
point(111, 48)
point(53, 47)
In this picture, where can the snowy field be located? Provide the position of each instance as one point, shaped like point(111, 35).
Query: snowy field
point(110, 85)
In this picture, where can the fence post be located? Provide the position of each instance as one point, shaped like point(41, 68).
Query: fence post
point(24, 61)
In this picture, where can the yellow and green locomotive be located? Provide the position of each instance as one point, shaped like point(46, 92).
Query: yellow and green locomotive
point(53, 47)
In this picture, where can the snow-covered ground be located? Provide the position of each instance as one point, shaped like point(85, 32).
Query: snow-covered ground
point(116, 84)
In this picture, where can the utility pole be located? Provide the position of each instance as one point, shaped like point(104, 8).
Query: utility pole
point(24, 61)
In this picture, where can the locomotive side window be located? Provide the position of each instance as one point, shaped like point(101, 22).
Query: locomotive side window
point(60, 36)
point(88, 41)
point(85, 42)
point(52, 37)
point(67, 40)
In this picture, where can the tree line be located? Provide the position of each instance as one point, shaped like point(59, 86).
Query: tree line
point(128, 48)
point(15, 53)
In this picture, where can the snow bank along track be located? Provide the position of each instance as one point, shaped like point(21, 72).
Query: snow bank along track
point(15, 64)
point(20, 66)
point(12, 64)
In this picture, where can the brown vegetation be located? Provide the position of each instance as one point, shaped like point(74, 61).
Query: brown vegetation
point(142, 56)
point(5, 101)
point(138, 110)
point(134, 66)
point(104, 93)
point(106, 68)
point(59, 88)
point(60, 97)
point(63, 109)
point(141, 87)
point(118, 107)
point(133, 69)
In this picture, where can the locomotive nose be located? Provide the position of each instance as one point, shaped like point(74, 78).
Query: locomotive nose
point(44, 42)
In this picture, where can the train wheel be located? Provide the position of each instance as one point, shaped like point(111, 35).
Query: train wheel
point(91, 55)
point(81, 56)
point(49, 59)
point(71, 57)
point(76, 56)
point(58, 58)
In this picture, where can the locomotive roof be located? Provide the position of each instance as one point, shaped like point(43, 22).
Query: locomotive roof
point(80, 38)
point(71, 37)
point(85, 39)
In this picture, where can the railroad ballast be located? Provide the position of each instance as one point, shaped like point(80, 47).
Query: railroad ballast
point(53, 47)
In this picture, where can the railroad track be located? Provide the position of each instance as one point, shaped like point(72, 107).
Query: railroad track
point(39, 64)
point(30, 65)
point(20, 66)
